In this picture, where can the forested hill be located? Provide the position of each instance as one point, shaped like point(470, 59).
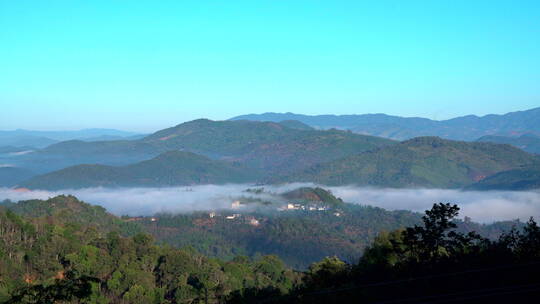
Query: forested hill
point(267, 146)
point(248, 151)
point(271, 147)
point(68, 210)
point(168, 169)
point(64, 249)
point(468, 127)
point(420, 162)
point(49, 255)
point(518, 179)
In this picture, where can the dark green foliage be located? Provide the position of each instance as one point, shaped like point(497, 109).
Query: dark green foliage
point(65, 251)
point(67, 210)
point(298, 237)
point(50, 256)
point(431, 263)
point(309, 195)
point(67, 289)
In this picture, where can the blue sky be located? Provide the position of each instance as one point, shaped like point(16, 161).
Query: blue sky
point(145, 65)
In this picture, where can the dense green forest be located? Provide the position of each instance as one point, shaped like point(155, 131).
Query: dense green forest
point(429, 263)
point(74, 252)
point(64, 249)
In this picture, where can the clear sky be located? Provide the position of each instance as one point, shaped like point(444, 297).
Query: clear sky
point(144, 65)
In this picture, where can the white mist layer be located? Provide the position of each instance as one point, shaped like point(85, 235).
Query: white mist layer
point(480, 206)
point(148, 201)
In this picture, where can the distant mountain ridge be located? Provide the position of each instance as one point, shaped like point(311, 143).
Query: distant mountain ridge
point(466, 128)
point(261, 145)
point(41, 139)
point(267, 152)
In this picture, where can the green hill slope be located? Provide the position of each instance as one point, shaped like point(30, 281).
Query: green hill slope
point(270, 146)
point(168, 169)
point(10, 176)
point(68, 210)
point(517, 179)
point(295, 124)
point(419, 162)
point(313, 195)
point(527, 142)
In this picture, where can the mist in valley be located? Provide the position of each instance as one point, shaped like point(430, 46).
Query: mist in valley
point(480, 206)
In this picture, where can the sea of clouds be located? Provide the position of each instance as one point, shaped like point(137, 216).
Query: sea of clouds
point(480, 206)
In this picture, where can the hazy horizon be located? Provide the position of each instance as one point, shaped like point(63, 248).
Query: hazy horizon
point(163, 127)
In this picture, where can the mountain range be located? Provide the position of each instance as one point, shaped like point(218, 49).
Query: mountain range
point(419, 162)
point(168, 169)
point(205, 151)
point(266, 146)
point(466, 128)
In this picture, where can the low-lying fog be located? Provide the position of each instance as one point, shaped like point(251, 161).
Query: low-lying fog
point(480, 206)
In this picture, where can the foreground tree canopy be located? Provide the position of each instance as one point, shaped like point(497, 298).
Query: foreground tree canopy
point(49, 259)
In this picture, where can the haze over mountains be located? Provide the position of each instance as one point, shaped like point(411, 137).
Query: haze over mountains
point(205, 152)
point(168, 169)
point(41, 139)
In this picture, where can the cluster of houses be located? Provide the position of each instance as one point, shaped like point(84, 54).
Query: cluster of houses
point(237, 216)
point(291, 206)
point(253, 221)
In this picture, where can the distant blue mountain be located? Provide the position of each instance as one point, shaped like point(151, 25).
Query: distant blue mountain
point(40, 139)
point(467, 128)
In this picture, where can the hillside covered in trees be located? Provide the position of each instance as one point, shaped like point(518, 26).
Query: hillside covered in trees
point(65, 251)
point(420, 162)
point(216, 152)
point(526, 142)
point(167, 169)
point(271, 147)
point(60, 250)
